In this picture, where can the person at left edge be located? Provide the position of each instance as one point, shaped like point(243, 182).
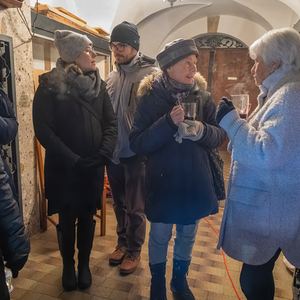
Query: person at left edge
point(14, 241)
point(74, 121)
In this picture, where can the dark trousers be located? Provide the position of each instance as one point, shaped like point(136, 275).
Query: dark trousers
point(4, 294)
point(257, 282)
point(127, 183)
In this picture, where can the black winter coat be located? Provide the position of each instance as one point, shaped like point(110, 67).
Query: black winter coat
point(69, 131)
point(14, 242)
point(179, 186)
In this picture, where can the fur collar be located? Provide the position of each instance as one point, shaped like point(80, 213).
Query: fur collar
point(145, 86)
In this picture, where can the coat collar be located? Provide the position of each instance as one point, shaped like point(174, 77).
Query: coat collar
point(146, 85)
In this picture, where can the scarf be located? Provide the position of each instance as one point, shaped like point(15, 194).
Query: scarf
point(179, 90)
point(87, 84)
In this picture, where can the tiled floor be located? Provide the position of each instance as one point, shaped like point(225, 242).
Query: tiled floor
point(40, 279)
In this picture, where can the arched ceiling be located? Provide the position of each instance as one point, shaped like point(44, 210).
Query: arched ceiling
point(158, 23)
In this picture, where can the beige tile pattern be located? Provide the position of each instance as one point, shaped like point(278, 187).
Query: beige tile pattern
point(41, 277)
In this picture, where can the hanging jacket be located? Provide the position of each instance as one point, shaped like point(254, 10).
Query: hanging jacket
point(122, 86)
point(179, 185)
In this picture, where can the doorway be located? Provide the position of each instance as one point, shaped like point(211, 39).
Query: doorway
point(226, 65)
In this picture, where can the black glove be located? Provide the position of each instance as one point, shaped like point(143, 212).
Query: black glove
point(224, 107)
point(16, 266)
point(91, 163)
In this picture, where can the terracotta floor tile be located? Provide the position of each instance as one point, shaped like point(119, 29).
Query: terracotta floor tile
point(29, 295)
point(40, 279)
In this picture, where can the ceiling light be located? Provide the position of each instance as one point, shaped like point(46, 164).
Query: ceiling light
point(171, 1)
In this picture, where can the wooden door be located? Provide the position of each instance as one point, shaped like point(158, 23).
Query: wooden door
point(229, 72)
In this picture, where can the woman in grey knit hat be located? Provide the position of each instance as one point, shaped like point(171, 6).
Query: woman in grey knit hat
point(74, 121)
point(179, 185)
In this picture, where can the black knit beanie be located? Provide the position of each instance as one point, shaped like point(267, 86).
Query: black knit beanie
point(175, 51)
point(126, 33)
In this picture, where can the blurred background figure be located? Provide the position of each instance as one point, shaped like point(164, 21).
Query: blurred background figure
point(179, 188)
point(261, 216)
point(74, 121)
point(14, 242)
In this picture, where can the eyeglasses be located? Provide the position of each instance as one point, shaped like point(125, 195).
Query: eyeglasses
point(90, 51)
point(120, 47)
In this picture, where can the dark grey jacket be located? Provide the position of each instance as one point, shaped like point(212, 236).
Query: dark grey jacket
point(122, 86)
point(14, 242)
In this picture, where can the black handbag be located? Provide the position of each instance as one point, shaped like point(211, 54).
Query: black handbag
point(216, 166)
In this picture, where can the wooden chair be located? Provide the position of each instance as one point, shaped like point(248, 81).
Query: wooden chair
point(43, 201)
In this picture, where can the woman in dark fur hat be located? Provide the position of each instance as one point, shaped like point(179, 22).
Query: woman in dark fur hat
point(179, 185)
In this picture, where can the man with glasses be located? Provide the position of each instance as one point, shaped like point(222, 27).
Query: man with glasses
point(126, 172)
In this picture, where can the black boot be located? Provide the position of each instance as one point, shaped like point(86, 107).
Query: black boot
point(66, 247)
point(158, 282)
point(85, 237)
point(179, 285)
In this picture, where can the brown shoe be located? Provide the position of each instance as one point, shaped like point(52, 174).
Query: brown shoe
point(130, 263)
point(118, 255)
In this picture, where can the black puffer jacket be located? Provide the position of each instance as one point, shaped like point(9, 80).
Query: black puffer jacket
point(14, 242)
point(179, 184)
point(69, 131)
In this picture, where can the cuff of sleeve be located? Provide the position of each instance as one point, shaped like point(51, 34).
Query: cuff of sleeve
point(231, 122)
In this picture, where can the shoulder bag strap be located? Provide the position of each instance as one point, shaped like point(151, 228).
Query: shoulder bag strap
point(89, 108)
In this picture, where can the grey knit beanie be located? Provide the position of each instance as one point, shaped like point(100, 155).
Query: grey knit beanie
point(70, 44)
point(175, 51)
point(126, 33)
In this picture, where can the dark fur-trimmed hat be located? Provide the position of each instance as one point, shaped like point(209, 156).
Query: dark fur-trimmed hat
point(175, 51)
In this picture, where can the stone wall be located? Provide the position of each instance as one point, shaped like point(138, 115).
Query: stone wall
point(11, 24)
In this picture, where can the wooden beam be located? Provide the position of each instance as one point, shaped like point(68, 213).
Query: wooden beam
point(101, 31)
point(12, 3)
point(64, 18)
point(64, 11)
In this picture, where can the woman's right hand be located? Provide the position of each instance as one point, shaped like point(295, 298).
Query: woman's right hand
point(177, 114)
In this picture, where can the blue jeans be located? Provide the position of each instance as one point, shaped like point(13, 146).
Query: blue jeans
point(160, 235)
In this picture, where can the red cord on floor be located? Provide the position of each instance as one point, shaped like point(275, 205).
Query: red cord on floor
point(224, 261)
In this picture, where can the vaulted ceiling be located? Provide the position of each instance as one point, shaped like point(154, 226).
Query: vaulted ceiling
point(158, 23)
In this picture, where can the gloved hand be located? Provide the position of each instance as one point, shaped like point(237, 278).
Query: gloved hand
point(225, 106)
point(16, 266)
point(192, 130)
point(90, 163)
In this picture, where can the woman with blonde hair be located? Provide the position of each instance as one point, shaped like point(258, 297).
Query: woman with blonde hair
point(74, 121)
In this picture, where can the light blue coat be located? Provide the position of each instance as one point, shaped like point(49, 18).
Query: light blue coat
point(262, 211)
